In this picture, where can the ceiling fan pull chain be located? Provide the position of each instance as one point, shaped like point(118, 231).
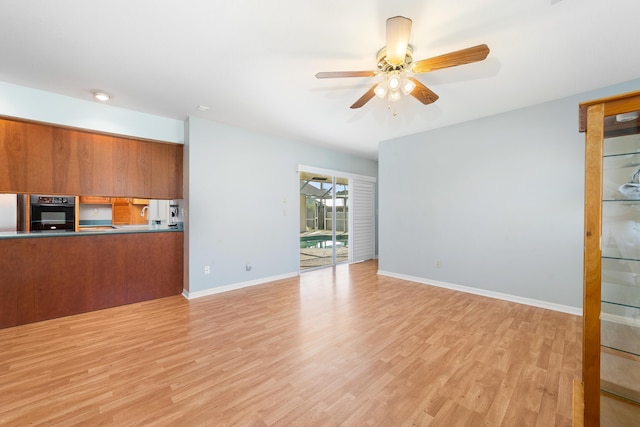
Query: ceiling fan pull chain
point(394, 113)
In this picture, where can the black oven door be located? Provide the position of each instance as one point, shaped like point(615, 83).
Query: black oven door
point(52, 217)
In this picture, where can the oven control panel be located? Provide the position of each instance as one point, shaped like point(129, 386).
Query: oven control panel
point(52, 200)
point(48, 200)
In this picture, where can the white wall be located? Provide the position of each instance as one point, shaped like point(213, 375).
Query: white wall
point(38, 105)
point(243, 201)
point(498, 201)
point(98, 212)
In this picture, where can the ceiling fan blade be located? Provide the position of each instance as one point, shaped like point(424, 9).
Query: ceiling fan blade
point(452, 59)
point(398, 32)
point(423, 93)
point(365, 98)
point(335, 74)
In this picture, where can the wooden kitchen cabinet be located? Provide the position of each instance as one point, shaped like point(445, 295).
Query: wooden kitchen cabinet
point(44, 159)
point(68, 158)
point(166, 168)
point(12, 151)
point(95, 200)
point(102, 182)
point(16, 299)
point(129, 211)
point(40, 164)
point(77, 274)
point(26, 157)
point(120, 211)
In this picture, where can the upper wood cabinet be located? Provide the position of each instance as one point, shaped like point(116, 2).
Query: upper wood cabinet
point(15, 153)
point(45, 159)
point(95, 200)
point(166, 169)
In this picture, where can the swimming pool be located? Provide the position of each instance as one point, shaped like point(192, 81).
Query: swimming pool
point(322, 242)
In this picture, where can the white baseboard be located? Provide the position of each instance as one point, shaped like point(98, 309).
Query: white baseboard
point(491, 294)
point(621, 320)
point(235, 286)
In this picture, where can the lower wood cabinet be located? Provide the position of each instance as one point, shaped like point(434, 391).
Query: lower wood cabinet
point(48, 277)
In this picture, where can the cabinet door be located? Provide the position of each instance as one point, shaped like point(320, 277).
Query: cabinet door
point(120, 214)
point(140, 174)
point(101, 176)
point(122, 156)
point(13, 156)
point(40, 168)
point(131, 168)
point(160, 165)
point(175, 171)
point(167, 171)
point(66, 168)
point(85, 159)
point(146, 277)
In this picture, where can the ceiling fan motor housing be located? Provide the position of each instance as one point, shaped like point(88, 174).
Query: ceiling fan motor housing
point(386, 67)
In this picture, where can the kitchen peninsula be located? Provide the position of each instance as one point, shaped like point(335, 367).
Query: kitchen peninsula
point(53, 274)
point(48, 275)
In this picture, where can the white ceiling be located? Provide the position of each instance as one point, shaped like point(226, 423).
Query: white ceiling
point(253, 61)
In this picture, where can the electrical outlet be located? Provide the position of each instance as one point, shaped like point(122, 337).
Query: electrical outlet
point(207, 269)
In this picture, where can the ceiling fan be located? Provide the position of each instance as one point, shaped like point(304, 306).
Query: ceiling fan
point(395, 63)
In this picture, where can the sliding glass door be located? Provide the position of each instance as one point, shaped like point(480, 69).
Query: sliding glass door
point(324, 220)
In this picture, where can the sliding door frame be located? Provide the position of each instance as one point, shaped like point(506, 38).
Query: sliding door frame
point(351, 177)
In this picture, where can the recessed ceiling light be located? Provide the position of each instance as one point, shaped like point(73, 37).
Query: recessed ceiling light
point(202, 108)
point(101, 96)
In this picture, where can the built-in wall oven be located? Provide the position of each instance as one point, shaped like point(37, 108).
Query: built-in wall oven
point(52, 213)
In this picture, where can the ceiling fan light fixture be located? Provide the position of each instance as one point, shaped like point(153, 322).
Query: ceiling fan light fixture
point(407, 86)
point(381, 90)
point(394, 81)
point(394, 95)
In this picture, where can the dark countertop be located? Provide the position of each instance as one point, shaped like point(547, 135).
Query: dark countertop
point(92, 231)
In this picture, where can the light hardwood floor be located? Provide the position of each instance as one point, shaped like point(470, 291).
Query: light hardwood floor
point(333, 347)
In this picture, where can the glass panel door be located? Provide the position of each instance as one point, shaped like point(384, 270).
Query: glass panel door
point(620, 306)
point(324, 224)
